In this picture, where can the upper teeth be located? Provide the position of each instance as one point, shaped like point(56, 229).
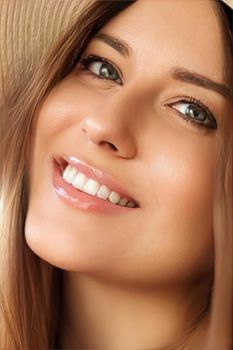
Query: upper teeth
point(80, 181)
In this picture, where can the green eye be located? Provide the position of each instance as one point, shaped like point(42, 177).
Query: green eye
point(193, 111)
point(100, 68)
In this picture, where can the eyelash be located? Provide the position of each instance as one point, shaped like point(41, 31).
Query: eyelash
point(212, 124)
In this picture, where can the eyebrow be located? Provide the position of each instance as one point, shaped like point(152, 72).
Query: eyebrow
point(118, 44)
point(176, 73)
point(200, 80)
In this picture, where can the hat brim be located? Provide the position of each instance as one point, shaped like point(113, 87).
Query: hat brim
point(229, 3)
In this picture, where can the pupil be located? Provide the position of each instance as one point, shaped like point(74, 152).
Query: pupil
point(194, 112)
point(107, 71)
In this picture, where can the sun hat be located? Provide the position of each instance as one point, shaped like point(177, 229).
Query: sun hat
point(28, 28)
point(229, 3)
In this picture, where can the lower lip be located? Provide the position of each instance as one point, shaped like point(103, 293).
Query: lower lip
point(81, 200)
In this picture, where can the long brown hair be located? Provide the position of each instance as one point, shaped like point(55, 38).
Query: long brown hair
point(29, 307)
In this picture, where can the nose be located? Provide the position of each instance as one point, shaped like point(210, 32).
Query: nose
point(111, 125)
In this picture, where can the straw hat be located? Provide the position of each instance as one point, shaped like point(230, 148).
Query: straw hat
point(27, 28)
point(229, 3)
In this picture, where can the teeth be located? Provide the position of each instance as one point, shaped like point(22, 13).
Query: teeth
point(72, 172)
point(103, 192)
point(130, 205)
point(66, 172)
point(114, 197)
point(79, 181)
point(123, 201)
point(92, 187)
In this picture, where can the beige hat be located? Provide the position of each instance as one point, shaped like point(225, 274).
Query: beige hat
point(229, 3)
point(27, 28)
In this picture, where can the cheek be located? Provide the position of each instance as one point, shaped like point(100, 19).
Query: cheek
point(182, 165)
point(185, 180)
point(62, 110)
point(181, 192)
point(58, 122)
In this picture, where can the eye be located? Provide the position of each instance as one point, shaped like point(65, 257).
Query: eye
point(193, 111)
point(100, 68)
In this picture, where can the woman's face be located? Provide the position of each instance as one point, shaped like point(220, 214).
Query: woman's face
point(131, 126)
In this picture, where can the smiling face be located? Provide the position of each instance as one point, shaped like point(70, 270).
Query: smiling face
point(132, 127)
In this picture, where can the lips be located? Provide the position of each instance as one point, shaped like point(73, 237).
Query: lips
point(94, 173)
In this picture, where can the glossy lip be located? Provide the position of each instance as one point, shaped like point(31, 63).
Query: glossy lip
point(95, 174)
point(80, 200)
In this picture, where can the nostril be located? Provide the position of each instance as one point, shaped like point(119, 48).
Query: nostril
point(114, 147)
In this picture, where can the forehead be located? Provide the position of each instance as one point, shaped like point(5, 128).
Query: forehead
point(169, 33)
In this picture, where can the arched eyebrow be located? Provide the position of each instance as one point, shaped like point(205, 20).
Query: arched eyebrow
point(176, 73)
point(200, 80)
point(118, 44)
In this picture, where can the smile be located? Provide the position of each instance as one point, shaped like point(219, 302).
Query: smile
point(80, 187)
point(81, 182)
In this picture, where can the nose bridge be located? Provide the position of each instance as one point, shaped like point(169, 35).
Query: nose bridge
point(114, 122)
point(121, 108)
point(129, 103)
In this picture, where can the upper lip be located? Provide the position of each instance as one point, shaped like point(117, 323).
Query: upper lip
point(94, 173)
